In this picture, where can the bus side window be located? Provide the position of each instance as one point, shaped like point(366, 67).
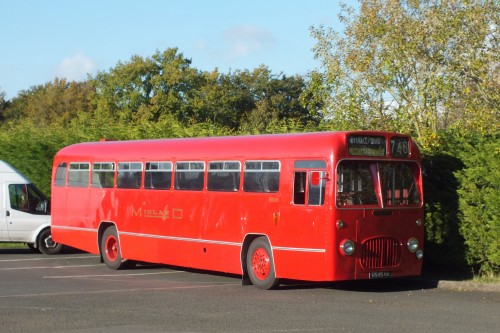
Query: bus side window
point(60, 180)
point(261, 176)
point(189, 176)
point(299, 188)
point(129, 175)
point(317, 185)
point(79, 175)
point(103, 175)
point(224, 176)
point(158, 175)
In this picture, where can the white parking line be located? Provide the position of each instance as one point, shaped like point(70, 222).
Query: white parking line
point(45, 267)
point(107, 275)
point(192, 286)
point(48, 258)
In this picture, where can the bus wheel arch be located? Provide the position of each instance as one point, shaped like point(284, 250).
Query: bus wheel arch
point(258, 263)
point(109, 246)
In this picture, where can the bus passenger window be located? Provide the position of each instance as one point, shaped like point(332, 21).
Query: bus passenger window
point(224, 176)
point(60, 180)
point(189, 176)
point(261, 176)
point(299, 188)
point(129, 175)
point(79, 175)
point(103, 175)
point(158, 175)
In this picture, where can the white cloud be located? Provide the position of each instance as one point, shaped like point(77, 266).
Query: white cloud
point(247, 40)
point(75, 67)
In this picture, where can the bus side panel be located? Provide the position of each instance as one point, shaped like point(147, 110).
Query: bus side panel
point(72, 226)
point(300, 265)
point(85, 240)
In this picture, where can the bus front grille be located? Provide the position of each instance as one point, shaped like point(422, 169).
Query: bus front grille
point(380, 252)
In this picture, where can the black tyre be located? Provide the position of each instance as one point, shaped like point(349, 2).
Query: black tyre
point(46, 245)
point(260, 264)
point(110, 249)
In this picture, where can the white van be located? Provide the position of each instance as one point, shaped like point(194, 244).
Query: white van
point(24, 212)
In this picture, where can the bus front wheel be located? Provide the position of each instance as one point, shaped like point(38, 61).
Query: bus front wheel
point(110, 249)
point(260, 264)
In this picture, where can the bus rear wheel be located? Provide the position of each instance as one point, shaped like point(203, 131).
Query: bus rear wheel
point(110, 249)
point(260, 264)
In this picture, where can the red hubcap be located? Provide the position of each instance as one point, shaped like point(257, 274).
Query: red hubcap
point(261, 264)
point(111, 248)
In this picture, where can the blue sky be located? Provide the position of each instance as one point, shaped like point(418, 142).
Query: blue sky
point(41, 40)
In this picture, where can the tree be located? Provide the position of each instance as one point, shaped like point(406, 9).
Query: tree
point(145, 89)
point(479, 204)
point(413, 66)
point(3, 104)
point(54, 102)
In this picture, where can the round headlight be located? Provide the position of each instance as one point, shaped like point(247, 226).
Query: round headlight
point(412, 244)
point(419, 254)
point(340, 224)
point(347, 247)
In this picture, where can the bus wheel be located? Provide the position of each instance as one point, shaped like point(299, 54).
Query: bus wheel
point(46, 245)
point(110, 249)
point(260, 264)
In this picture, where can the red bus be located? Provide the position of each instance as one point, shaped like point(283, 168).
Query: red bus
point(323, 206)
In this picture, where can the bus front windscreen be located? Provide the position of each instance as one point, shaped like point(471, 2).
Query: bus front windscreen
point(381, 184)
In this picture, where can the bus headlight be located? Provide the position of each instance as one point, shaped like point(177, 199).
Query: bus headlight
point(412, 244)
point(419, 254)
point(347, 247)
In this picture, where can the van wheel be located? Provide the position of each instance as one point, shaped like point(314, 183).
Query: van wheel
point(110, 249)
point(260, 264)
point(46, 245)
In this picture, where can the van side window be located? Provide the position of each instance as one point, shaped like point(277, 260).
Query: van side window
point(261, 176)
point(26, 198)
point(60, 180)
point(79, 174)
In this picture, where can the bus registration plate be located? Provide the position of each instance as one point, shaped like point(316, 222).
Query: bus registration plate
point(380, 275)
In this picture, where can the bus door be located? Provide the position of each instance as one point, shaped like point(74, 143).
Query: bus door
point(303, 222)
point(382, 201)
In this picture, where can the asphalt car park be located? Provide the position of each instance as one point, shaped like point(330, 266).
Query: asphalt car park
point(75, 292)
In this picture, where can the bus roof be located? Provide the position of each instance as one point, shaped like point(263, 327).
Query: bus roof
point(257, 146)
